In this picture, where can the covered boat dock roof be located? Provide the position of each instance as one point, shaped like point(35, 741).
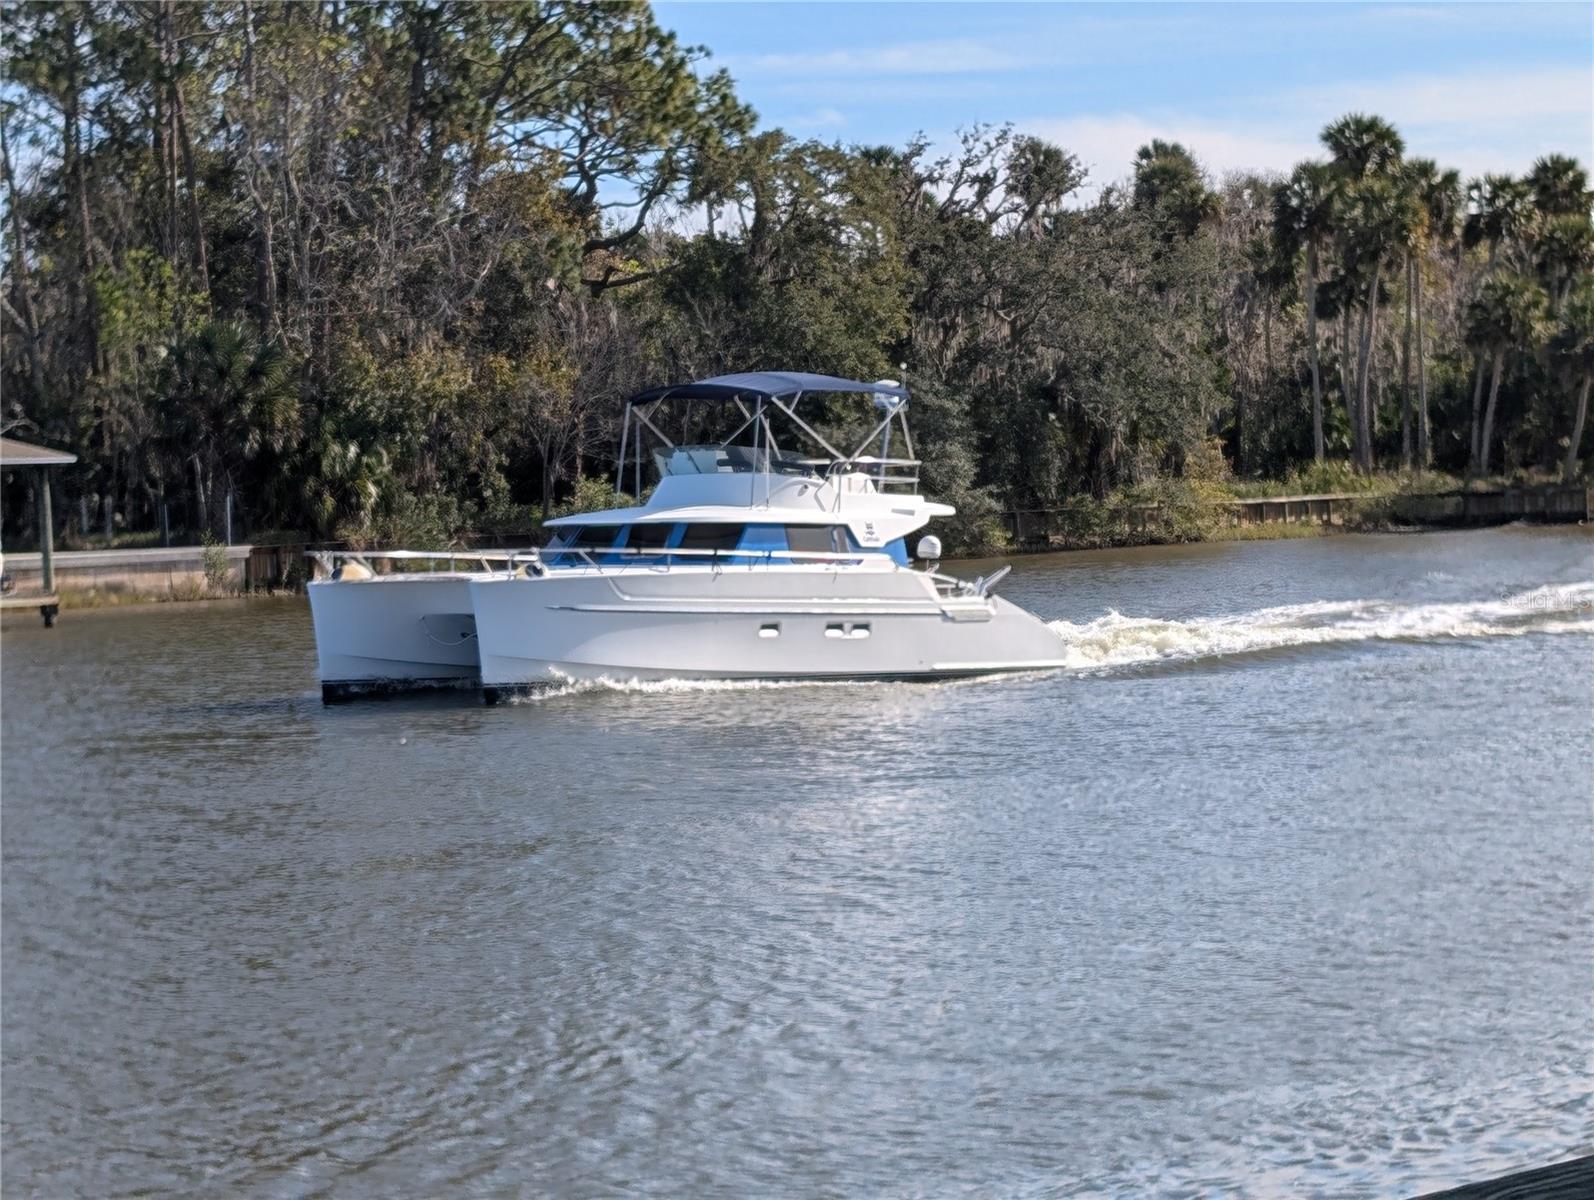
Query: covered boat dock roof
point(15, 454)
point(25, 454)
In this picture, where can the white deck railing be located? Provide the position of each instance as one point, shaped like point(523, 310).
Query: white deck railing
point(640, 557)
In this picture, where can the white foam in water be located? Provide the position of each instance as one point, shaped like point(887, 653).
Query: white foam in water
point(1116, 640)
point(667, 687)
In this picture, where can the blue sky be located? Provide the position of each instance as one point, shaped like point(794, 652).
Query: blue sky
point(1248, 86)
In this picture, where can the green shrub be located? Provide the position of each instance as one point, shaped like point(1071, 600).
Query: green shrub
point(218, 575)
point(408, 522)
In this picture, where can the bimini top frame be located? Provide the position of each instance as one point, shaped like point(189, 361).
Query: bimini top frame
point(755, 394)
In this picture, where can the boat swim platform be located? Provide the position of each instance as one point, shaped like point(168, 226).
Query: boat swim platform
point(1560, 1181)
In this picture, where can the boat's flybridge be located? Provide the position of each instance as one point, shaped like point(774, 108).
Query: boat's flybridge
point(774, 489)
point(773, 545)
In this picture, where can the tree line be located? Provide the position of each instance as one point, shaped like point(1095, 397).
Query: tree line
point(387, 270)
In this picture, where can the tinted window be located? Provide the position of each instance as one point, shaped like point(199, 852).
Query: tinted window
point(711, 537)
point(648, 537)
point(593, 535)
point(817, 539)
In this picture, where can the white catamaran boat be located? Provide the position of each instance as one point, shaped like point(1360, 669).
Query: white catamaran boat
point(410, 630)
point(751, 561)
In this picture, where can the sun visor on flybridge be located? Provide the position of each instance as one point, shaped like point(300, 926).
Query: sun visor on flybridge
point(769, 384)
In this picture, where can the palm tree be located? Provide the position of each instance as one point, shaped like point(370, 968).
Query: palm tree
point(1366, 154)
point(1303, 218)
point(1439, 194)
point(1169, 180)
point(1573, 348)
point(1368, 229)
point(1269, 271)
point(1559, 185)
point(1506, 314)
point(1499, 211)
point(342, 472)
point(1563, 251)
point(1411, 234)
point(1363, 145)
point(231, 397)
point(1563, 237)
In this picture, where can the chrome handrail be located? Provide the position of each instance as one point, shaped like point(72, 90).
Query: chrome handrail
point(885, 473)
point(907, 471)
point(547, 555)
point(326, 560)
point(587, 556)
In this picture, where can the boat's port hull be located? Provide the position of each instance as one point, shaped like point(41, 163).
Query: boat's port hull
point(342, 691)
point(394, 634)
point(846, 625)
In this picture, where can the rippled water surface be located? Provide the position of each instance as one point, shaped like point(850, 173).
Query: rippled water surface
point(1283, 888)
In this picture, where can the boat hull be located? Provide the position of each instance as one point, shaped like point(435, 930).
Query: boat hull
point(744, 625)
point(394, 634)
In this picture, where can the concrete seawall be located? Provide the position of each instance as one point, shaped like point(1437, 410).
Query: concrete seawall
point(1046, 528)
point(160, 572)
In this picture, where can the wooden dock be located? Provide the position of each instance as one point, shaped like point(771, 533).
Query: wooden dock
point(48, 604)
point(42, 459)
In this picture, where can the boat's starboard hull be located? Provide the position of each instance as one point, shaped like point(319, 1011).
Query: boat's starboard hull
point(830, 626)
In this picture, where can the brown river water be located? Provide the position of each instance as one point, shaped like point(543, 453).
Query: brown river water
point(1284, 887)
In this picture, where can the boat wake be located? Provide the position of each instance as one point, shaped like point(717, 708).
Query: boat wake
point(1119, 641)
point(671, 687)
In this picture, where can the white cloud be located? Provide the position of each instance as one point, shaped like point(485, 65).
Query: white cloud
point(820, 118)
point(1106, 145)
point(1461, 99)
point(946, 56)
point(1476, 121)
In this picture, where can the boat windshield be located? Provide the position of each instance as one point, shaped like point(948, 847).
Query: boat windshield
point(735, 460)
point(703, 543)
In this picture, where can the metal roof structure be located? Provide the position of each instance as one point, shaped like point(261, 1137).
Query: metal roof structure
point(766, 384)
point(24, 454)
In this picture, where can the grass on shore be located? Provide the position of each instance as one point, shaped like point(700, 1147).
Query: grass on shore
point(1272, 531)
point(1332, 478)
point(101, 597)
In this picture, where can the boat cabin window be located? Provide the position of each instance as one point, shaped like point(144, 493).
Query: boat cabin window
point(586, 536)
point(706, 536)
point(818, 539)
point(735, 541)
point(580, 537)
point(648, 537)
point(763, 538)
